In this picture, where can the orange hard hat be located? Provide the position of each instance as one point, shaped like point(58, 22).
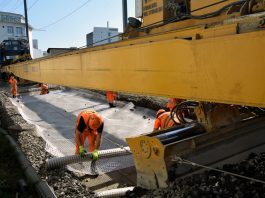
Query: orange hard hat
point(95, 121)
point(159, 112)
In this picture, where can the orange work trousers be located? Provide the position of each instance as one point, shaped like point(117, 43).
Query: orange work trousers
point(14, 91)
point(91, 141)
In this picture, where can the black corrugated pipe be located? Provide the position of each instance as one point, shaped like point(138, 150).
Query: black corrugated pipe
point(41, 187)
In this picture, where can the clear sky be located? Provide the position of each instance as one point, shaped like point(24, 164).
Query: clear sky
point(70, 31)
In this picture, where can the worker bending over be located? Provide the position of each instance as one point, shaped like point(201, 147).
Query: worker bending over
point(111, 98)
point(44, 88)
point(13, 84)
point(89, 124)
point(163, 120)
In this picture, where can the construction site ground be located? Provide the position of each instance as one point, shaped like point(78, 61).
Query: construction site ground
point(43, 126)
point(53, 118)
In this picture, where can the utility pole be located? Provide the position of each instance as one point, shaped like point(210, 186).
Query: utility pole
point(124, 13)
point(26, 21)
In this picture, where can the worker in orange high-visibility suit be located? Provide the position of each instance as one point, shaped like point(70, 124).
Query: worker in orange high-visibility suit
point(163, 120)
point(44, 89)
point(13, 83)
point(172, 102)
point(111, 98)
point(89, 124)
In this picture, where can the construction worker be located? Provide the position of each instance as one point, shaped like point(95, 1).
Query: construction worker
point(13, 83)
point(89, 124)
point(172, 102)
point(111, 98)
point(163, 120)
point(44, 88)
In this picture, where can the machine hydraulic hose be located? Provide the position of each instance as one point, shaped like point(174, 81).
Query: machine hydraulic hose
point(59, 162)
point(180, 133)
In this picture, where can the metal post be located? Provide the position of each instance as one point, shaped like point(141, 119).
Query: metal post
point(125, 14)
point(26, 21)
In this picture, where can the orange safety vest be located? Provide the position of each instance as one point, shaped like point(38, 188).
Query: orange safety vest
point(111, 96)
point(44, 89)
point(90, 134)
point(164, 121)
point(86, 115)
point(13, 83)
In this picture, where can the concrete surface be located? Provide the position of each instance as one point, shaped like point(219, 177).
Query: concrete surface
point(54, 116)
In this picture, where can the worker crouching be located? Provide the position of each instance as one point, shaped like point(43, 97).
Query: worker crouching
point(164, 121)
point(89, 124)
point(44, 88)
point(13, 83)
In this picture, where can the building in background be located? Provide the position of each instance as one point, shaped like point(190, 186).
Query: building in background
point(36, 53)
point(35, 44)
point(13, 27)
point(45, 53)
point(101, 35)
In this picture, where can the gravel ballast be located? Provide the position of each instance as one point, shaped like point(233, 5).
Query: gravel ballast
point(66, 184)
point(63, 182)
point(213, 184)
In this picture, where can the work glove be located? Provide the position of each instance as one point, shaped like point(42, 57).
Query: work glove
point(81, 150)
point(95, 155)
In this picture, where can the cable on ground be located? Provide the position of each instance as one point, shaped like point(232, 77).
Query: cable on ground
point(183, 161)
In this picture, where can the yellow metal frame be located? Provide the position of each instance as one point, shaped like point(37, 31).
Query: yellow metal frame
point(226, 69)
point(149, 158)
point(153, 160)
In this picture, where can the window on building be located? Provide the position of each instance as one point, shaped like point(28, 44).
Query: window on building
point(10, 29)
point(19, 31)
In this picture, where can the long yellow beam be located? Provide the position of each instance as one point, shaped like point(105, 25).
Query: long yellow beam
point(226, 69)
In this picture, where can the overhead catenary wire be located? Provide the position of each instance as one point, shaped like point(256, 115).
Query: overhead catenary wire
point(18, 5)
point(6, 4)
point(175, 19)
point(158, 23)
point(172, 19)
point(184, 161)
point(33, 4)
point(64, 17)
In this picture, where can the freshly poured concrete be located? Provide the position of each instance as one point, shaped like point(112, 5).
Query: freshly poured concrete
point(54, 116)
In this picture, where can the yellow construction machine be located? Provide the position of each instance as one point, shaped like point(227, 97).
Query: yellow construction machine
point(208, 52)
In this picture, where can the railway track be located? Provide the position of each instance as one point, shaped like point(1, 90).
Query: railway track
point(66, 184)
